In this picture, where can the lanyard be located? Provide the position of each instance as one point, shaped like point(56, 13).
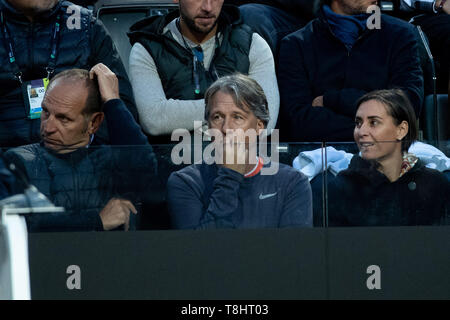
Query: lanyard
point(12, 58)
point(196, 58)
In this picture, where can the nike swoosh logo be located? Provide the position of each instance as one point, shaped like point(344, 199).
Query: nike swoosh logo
point(265, 196)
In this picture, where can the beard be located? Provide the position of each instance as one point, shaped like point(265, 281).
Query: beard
point(352, 9)
point(190, 23)
point(36, 8)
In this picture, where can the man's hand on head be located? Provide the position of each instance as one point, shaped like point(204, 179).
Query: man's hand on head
point(107, 82)
point(117, 213)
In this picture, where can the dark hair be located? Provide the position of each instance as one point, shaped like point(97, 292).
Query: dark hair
point(93, 101)
point(245, 92)
point(399, 108)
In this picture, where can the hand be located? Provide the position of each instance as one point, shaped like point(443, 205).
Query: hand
point(237, 152)
point(446, 6)
point(107, 82)
point(116, 213)
point(318, 102)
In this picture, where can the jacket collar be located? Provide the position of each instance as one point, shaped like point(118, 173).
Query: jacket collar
point(13, 14)
point(75, 156)
point(366, 170)
point(321, 17)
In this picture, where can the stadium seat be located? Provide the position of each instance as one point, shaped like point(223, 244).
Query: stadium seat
point(119, 15)
point(434, 117)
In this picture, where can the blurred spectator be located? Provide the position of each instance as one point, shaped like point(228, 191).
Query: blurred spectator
point(84, 3)
point(176, 57)
point(325, 67)
point(237, 194)
point(275, 19)
point(6, 180)
point(75, 170)
point(386, 185)
point(434, 19)
point(40, 39)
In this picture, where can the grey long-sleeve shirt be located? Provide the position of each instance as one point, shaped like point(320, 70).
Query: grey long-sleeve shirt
point(159, 115)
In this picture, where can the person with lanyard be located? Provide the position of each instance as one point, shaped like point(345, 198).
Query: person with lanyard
point(235, 190)
point(98, 185)
point(176, 57)
point(37, 40)
point(325, 67)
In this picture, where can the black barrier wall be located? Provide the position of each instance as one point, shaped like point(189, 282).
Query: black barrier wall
point(345, 263)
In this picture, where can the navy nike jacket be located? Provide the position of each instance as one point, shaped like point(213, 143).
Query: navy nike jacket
point(206, 196)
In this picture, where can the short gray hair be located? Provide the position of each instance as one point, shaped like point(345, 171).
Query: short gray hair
point(245, 91)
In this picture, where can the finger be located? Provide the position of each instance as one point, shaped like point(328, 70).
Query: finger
point(96, 71)
point(133, 208)
point(128, 205)
point(105, 69)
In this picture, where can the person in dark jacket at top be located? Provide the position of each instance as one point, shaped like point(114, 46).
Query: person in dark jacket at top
point(325, 67)
point(385, 185)
point(275, 19)
point(38, 40)
point(237, 189)
point(433, 16)
point(176, 57)
point(98, 185)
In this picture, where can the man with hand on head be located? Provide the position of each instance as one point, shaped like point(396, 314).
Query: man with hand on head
point(72, 167)
point(39, 39)
point(235, 191)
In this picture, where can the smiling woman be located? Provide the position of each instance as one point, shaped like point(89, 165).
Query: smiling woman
point(385, 128)
point(386, 185)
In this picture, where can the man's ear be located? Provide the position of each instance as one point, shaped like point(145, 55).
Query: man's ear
point(402, 130)
point(95, 122)
point(259, 126)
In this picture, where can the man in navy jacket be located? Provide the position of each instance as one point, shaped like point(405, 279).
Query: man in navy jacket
point(233, 193)
point(326, 66)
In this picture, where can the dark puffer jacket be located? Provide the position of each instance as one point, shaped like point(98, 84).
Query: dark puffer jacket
point(77, 48)
point(175, 62)
point(84, 180)
point(363, 196)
